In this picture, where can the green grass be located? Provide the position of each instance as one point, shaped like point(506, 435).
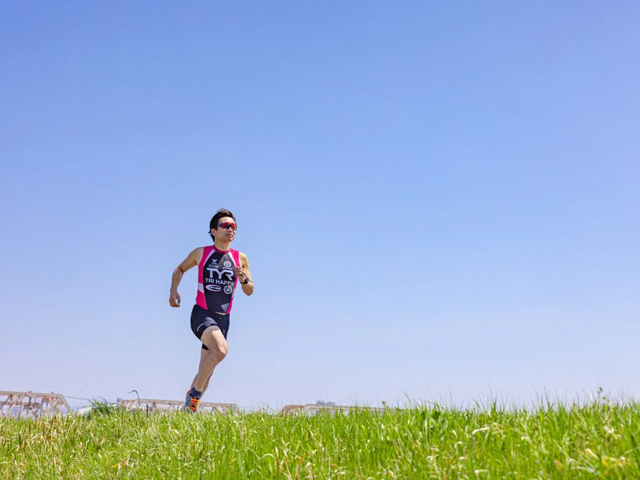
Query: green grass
point(597, 440)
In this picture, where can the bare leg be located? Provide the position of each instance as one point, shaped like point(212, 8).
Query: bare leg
point(215, 341)
point(203, 352)
point(206, 384)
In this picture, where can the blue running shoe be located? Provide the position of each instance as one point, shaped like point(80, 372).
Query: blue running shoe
point(192, 400)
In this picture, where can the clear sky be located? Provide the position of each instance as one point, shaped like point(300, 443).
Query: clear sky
point(439, 200)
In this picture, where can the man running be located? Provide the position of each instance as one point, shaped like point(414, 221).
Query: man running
point(219, 270)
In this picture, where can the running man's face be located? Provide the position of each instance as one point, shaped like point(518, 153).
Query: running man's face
point(226, 230)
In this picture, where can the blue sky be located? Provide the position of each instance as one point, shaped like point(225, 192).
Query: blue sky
point(439, 200)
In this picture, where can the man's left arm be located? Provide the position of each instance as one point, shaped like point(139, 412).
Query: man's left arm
point(244, 275)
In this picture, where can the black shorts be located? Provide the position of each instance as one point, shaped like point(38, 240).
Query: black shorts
point(202, 319)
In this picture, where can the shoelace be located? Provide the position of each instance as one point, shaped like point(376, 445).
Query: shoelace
point(193, 403)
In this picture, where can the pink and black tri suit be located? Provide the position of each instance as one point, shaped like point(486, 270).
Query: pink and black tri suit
point(217, 283)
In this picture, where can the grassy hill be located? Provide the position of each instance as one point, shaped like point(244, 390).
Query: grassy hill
point(599, 440)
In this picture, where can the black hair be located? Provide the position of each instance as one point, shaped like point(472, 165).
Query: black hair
point(215, 220)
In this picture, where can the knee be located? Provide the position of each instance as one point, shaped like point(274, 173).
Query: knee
point(218, 353)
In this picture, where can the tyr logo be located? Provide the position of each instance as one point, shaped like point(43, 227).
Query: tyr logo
point(228, 273)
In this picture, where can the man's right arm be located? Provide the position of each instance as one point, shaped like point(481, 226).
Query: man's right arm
point(187, 264)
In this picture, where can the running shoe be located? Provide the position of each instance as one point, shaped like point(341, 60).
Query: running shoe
point(192, 400)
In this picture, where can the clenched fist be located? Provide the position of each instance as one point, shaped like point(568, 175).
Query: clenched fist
point(242, 274)
point(174, 299)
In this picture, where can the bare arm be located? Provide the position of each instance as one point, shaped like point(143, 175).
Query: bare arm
point(187, 264)
point(243, 273)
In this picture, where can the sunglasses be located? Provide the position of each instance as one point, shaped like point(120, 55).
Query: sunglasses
point(226, 225)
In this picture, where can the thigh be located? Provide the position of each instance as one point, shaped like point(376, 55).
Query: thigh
point(214, 340)
point(200, 321)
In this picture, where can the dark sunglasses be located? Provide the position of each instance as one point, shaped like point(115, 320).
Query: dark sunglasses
point(226, 225)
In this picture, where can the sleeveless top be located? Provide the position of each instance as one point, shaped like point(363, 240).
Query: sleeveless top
point(217, 279)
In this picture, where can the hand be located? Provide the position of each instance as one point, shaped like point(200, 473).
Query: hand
point(174, 299)
point(242, 274)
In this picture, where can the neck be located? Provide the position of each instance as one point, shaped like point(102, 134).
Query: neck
point(224, 246)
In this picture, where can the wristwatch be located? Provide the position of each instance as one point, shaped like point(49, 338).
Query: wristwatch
point(247, 281)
